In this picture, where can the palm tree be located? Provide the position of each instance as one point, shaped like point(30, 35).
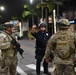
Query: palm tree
point(14, 18)
point(29, 11)
point(49, 5)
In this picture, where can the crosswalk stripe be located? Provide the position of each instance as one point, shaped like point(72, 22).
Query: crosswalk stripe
point(20, 71)
point(33, 66)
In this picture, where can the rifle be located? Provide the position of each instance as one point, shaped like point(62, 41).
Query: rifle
point(19, 49)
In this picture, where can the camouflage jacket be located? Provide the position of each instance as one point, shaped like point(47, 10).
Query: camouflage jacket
point(52, 45)
point(6, 47)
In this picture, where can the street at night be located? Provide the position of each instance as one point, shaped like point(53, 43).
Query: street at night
point(38, 28)
point(27, 66)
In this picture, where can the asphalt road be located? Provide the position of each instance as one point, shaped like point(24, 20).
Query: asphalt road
point(27, 66)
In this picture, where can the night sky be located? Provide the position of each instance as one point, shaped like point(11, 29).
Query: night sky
point(14, 8)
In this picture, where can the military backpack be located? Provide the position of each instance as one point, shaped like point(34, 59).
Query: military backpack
point(65, 46)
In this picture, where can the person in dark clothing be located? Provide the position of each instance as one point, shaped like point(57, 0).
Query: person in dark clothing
point(41, 37)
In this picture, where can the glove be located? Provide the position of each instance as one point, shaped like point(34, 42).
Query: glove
point(47, 60)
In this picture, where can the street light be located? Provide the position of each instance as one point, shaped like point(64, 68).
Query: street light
point(31, 1)
point(2, 8)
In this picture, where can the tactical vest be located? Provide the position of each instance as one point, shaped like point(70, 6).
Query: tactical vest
point(65, 46)
point(9, 51)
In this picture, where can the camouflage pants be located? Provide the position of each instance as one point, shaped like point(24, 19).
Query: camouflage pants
point(9, 66)
point(64, 70)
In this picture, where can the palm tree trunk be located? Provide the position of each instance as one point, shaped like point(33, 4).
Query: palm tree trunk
point(32, 19)
point(46, 15)
point(54, 20)
point(42, 10)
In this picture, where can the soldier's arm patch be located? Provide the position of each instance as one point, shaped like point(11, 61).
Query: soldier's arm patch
point(4, 42)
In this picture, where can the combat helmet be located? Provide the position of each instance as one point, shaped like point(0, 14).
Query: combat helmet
point(42, 24)
point(64, 22)
point(8, 26)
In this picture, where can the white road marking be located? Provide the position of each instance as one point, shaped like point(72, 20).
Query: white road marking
point(20, 71)
point(33, 66)
point(75, 69)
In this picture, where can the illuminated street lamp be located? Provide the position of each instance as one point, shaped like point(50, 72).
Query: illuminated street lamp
point(31, 1)
point(2, 8)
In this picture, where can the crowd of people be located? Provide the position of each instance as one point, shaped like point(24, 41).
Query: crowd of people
point(60, 47)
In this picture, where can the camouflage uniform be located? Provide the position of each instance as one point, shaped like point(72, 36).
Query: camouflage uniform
point(63, 59)
point(9, 58)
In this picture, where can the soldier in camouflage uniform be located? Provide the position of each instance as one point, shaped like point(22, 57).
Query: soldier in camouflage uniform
point(63, 44)
point(9, 58)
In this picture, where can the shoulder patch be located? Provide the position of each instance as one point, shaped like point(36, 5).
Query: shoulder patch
point(2, 35)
